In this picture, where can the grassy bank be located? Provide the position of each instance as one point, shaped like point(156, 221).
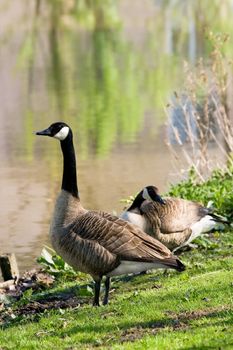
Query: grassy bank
point(159, 310)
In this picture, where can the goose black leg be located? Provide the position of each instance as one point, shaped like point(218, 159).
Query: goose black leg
point(97, 293)
point(107, 286)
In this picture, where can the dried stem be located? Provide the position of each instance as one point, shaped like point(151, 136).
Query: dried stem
point(200, 119)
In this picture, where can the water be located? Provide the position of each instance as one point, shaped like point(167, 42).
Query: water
point(110, 86)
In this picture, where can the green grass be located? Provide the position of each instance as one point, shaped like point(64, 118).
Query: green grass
point(159, 310)
point(192, 310)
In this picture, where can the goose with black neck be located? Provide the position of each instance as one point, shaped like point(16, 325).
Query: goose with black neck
point(96, 242)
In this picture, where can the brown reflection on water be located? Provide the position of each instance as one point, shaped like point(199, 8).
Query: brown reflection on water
point(23, 212)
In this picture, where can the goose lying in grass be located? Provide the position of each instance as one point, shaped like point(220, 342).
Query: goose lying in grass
point(96, 242)
point(173, 221)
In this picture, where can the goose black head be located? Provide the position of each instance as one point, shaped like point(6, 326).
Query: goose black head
point(58, 130)
point(152, 193)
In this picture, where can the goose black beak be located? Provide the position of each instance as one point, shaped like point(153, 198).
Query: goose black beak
point(158, 199)
point(45, 132)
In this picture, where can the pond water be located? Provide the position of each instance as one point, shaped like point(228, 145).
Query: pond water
point(110, 86)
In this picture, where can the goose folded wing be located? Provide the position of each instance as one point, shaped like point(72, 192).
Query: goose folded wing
point(176, 215)
point(120, 237)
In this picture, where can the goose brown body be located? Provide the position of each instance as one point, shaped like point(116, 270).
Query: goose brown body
point(173, 221)
point(176, 215)
point(96, 242)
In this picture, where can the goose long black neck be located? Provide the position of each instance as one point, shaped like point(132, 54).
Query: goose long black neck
point(69, 179)
point(136, 203)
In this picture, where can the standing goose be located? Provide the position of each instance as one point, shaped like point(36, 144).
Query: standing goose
point(175, 222)
point(96, 242)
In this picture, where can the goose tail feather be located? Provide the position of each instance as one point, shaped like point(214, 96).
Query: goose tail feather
point(174, 263)
point(220, 219)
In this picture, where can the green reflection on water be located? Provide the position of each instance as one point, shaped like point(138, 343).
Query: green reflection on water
point(103, 86)
point(101, 83)
point(109, 85)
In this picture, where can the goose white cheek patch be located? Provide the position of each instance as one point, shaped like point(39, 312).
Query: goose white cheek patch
point(62, 134)
point(145, 194)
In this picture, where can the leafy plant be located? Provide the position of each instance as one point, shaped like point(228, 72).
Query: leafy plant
point(25, 298)
point(54, 264)
point(217, 189)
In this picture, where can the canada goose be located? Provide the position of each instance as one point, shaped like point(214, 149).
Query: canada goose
point(96, 242)
point(173, 221)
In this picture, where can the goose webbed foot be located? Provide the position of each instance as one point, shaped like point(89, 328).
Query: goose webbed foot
point(107, 287)
point(97, 293)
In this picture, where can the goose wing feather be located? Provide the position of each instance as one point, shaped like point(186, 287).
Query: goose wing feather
point(175, 215)
point(120, 238)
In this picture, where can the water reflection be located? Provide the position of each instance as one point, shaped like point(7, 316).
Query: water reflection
point(23, 212)
point(108, 94)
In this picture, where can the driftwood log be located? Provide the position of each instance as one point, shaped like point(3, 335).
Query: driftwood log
point(9, 267)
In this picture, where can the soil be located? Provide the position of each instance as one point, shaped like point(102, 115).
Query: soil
point(174, 321)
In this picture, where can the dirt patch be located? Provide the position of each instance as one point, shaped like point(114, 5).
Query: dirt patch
point(194, 315)
point(42, 305)
point(58, 301)
point(34, 279)
point(138, 332)
point(174, 322)
point(14, 302)
point(134, 333)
